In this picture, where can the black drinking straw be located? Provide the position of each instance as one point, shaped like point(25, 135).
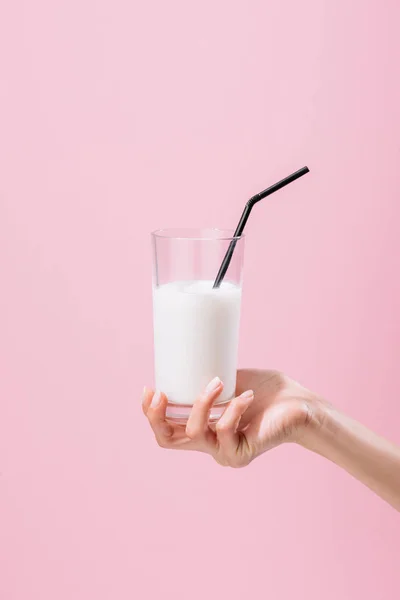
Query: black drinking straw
point(245, 215)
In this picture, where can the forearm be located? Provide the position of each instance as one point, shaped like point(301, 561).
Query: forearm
point(366, 456)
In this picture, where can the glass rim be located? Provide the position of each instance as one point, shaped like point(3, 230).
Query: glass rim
point(194, 234)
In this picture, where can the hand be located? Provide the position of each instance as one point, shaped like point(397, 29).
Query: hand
point(269, 409)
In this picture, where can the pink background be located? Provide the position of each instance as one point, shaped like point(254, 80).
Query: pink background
point(118, 117)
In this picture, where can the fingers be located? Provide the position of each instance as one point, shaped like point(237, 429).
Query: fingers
point(197, 426)
point(154, 407)
point(197, 435)
point(226, 427)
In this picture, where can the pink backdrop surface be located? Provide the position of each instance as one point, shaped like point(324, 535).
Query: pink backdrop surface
point(120, 117)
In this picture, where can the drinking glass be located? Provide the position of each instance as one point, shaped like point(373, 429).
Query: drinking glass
point(196, 326)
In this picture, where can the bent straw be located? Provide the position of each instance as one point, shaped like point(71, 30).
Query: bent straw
point(245, 215)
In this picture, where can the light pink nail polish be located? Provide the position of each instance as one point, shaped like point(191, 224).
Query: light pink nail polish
point(214, 383)
point(247, 395)
point(156, 399)
point(144, 394)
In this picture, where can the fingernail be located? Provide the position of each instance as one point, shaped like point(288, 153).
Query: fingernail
point(214, 383)
point(247, 395)
point(144, 393)
point(156, 400)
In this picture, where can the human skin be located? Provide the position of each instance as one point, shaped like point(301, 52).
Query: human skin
point(271, 409)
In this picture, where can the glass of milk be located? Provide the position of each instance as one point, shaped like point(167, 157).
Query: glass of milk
point(196, 327)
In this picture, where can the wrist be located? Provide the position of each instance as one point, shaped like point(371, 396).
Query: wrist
point(320, 421)
point(330, 435)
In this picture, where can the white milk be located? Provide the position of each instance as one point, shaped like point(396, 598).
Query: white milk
point(196, 334)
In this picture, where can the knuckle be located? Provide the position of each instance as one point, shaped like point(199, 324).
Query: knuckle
point(233, 462)
point(222, 427)
point(239, 463)
point(162, 442)
point(222, 461)
point(193, 431)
